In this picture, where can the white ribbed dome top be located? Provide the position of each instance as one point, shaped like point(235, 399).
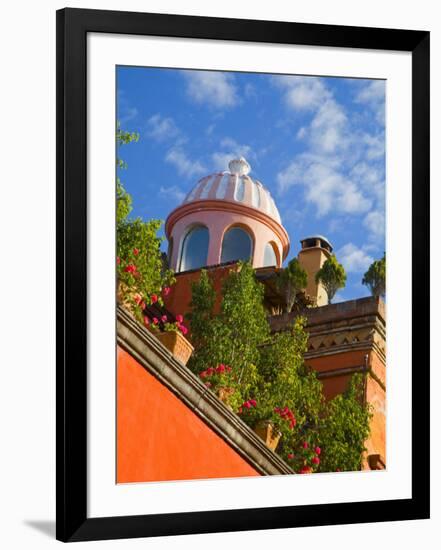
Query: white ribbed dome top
point(235, 185)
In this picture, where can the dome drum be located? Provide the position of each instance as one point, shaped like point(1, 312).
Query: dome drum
point(220, 202)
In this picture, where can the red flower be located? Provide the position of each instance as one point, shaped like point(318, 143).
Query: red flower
point(155, 320)
point(166, 290)
point(305, 470)
point(305, 445)
point(118, 260)
point(240, 410)
point(146, 321)
point(220, 368)
point(253, 402)
point(203, 374)
point(179, 319)
point(290, 456)
point(183, 329)
point(247, 405)
point(136, 251)
point(317, 450)
point(130, 268)
point(153, 298)
point(137, 298)
point(228, 369)
point(208, 384)
point(164, 318)
point(315, 460)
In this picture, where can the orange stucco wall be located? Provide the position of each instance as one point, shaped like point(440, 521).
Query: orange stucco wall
point(338, 384)
point(178, 301)
point(159, 438)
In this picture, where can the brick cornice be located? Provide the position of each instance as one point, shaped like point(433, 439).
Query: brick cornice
point(156, 359)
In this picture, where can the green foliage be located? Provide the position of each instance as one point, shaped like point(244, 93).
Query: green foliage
point(332, 275)
point(345, 428)
point(123, 199)
point(140, 265)
point(233, 336)
point(375, 277)
point(263, 377)
point(141, 273)
point(292, 280)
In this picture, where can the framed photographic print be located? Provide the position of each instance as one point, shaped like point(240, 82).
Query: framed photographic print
point(238, 204)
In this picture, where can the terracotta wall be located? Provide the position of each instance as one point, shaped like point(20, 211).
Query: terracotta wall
point(159, 438)
point(336, 384)
point(376, 396)
point(178, 301)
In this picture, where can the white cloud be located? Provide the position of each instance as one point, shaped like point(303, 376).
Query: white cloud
point(372, 92)
point(354, 259)
point(231, 149)
point(126, 111)
point(328, 128)
point(173, 192)
point(216, 89)
point(162, 128)
point(375, 222)
point(302, 92)
point(373, 95)
point(325, 187)
point(183, 164)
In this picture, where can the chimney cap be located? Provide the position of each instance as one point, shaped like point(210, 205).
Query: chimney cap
point(325, 241)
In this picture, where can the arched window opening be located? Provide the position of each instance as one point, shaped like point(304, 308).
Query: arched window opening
point(269, 256)
point(170, 251)
point(236, 245)
point(194, 249)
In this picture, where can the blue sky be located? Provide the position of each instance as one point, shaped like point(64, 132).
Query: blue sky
point(317, 143)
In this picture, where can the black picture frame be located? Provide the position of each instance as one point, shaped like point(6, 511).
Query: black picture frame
point(71, 428)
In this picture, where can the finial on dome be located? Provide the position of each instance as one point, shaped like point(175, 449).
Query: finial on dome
point(239, 166)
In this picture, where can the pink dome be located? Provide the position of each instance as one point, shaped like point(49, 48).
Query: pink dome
point(235, 185)
point(226, 216)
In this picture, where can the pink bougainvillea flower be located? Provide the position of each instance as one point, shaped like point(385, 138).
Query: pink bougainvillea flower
point(146, 321)
point(305, 470)
point(247, 404)
point(220, 368)
point(118, 260)
point(253, 402)
point(130, 268)
point(136, 251)
point(155, 320)
point(153, 298)
point(166, 290)
point(305, 445)
point(315, 460)
point(290, 456)
point(317, 450)
point(164, 318)
point(183, 329)
point(179, 319)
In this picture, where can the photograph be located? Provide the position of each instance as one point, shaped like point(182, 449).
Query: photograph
point(250, 274)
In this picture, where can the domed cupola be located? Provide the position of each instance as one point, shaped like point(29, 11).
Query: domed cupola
point(227, 216)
